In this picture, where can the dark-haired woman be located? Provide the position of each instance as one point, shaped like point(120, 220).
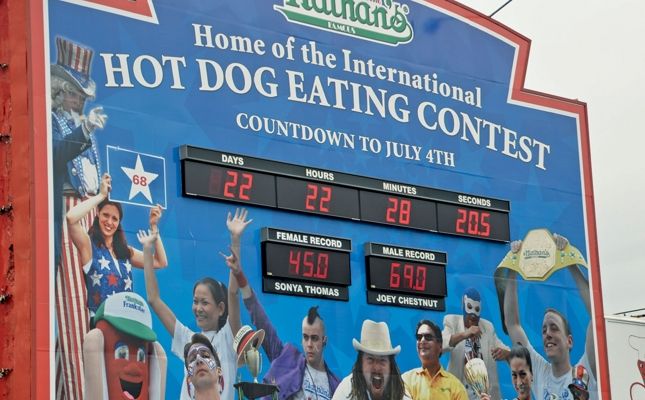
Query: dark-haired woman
point(521, 372)
point(217, 317)
point(106, 257)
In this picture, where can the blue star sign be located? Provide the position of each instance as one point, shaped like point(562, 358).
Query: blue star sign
point(137, 178)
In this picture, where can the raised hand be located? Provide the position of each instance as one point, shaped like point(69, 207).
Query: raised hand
point(96, 119)
point(147, 238)
point(238, 222)
point(106, 185)
point(155, 216)
point(232, 260)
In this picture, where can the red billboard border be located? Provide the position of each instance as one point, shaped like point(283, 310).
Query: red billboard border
point(27, 340)
point(39, 192)
point(31, 177)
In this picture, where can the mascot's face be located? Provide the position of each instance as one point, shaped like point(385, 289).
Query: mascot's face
point(471, 309)
point(126, 364)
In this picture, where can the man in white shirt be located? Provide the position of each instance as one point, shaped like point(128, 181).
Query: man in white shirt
point(551, 377)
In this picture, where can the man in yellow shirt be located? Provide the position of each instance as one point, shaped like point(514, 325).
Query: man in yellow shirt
point(431, 381)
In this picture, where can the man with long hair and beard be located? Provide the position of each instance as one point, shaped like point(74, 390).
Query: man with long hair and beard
point(375, 375)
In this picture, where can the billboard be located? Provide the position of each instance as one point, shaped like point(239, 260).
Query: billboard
point(376, 159)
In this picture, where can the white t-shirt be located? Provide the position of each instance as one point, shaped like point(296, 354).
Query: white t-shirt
point(547, 387)
point(315, 386)
point(222, 341)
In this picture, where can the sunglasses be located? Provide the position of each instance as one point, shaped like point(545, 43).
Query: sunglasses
point(427, 336)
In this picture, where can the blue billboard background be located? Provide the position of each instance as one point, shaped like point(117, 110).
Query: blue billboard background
point(160, 110)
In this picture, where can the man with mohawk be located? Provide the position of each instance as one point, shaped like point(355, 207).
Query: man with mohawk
point(300, 375)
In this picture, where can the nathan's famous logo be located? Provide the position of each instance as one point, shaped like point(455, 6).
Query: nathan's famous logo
point(133, 303)
point(384, 21)
point(529, 254)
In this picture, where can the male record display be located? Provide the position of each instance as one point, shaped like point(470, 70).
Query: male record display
point(385, 155)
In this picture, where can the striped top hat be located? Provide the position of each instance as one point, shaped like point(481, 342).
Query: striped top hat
point(73, 65)
point(245, 338)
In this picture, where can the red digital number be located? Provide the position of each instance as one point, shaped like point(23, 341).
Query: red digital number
point(408, 275)
point(421, 274)
point(414, 276)
point(391, 211)
point(322, 266)
point(231, 189)
point(294, 262)
point(319, 269)
point(404, 213)
point(308, 264)
point(395, 275)
point(459, 226)
point(473, 222)
point(318, 197)
point(485, 225)
point(399, 211)
point(231, 183)
point(312, 194)
point(246, 186)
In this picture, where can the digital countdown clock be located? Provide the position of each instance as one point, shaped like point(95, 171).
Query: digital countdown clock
point(212, 174)
point(305, 264)
point(405, 277)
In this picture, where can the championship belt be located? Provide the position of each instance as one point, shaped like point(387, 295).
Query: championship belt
point(536, 259)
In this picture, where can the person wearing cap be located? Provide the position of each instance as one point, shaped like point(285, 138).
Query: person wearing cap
point(469, 336)
point(431, 381)
point(298, 374)
point(579, 385)
point(216, 310)
point(123, 359)
point(203, 368)
point(552, 375)
point(75, 170)
point(375, 375)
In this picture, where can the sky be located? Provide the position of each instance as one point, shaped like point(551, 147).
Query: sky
point(592, 51)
